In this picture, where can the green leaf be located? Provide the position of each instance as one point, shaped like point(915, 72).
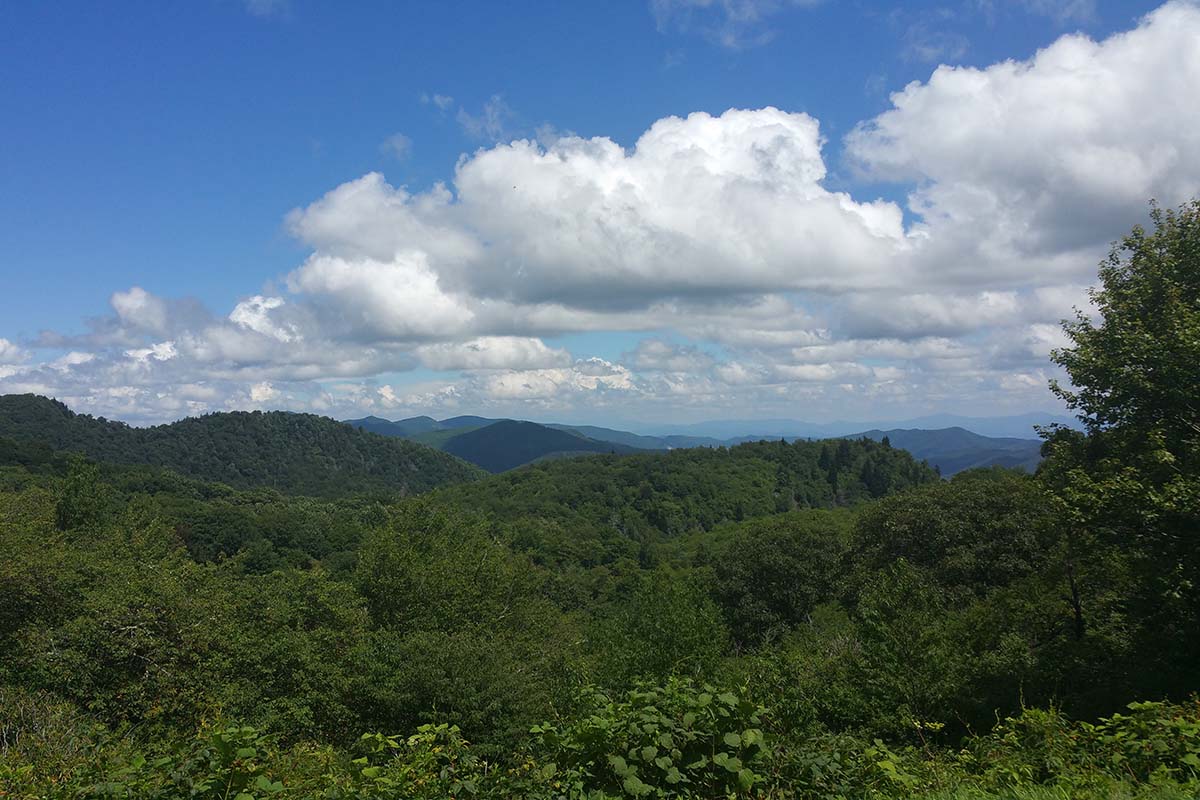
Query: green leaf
point(619, 766)
point(634, 786)
point(733, 740)
point(267, 785)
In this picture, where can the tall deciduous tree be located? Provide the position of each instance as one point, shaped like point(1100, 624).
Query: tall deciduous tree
point(1133, 479)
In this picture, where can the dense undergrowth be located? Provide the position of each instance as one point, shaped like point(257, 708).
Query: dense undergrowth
point(677, 740)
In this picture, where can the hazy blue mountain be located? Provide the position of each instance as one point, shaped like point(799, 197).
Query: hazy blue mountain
point(725, 430)
point(956, 449)
point(1015, 427)
point(507, 444)
point(466, 421)
point(383, 427)
point(618, 437)
point(415, 427)
point(642, 442)
point(1019, 426)
point(438, 438)
point(951, 443)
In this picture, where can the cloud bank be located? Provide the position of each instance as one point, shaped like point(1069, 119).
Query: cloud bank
point(713, 243)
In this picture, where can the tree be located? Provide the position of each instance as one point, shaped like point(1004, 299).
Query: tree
point(975, 533)
point(771, 575)
point(1134, 379)
point(1132, 481)
point(668, 626)
point(1136, 372)
point(83, 502)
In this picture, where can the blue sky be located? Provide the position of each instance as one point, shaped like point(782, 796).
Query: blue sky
point(234, 204)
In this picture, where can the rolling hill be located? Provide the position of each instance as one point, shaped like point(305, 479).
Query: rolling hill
point(403, 428)
point(507, 444)
point(649, 495)
point(497, 445)
point(295, 453)
point(953, 450)
point(510, 443)
point(643, 442)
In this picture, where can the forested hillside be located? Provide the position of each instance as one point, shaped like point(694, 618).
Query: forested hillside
point(508, 444)
point(775, 620)
point(664, 495)
point(296, 453)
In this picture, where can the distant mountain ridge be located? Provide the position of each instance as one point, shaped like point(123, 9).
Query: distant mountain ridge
point(953, 450)
point(296, 453)
point(498, 445)
point(415, 426)
point(308, 454)
point(1021, 426)
point(508, 443)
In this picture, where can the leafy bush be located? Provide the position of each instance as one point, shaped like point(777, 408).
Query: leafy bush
point(681, 739)
point(838, 765)
point(227, 764)
point(434, 763)
point(43, 740)
point(1155, 742)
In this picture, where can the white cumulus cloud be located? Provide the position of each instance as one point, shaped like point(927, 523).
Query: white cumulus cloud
point(492, 352)
point(1025, 168)
point(716, 246)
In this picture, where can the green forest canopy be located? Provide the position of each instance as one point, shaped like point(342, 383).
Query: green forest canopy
point(296, 453)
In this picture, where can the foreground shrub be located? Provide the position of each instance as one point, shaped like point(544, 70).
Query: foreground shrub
point(681, 739)
point(1155, 742)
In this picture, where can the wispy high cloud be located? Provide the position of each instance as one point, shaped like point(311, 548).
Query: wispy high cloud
point(443, 102)
point(733, 24)
point(397, 146)
point(268, 8)
point(491, 122)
